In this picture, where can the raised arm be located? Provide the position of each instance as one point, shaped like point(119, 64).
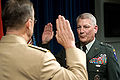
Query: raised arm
point(76, 59)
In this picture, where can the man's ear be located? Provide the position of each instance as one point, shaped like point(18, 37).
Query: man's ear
point(29, 24)
point(96, 28)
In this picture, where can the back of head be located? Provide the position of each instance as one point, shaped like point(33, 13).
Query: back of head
point(87, 16)
point(16, 13)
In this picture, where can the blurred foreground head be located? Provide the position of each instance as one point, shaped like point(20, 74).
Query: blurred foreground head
point(18, 15)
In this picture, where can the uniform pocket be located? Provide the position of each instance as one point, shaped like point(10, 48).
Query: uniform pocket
point(96, 71)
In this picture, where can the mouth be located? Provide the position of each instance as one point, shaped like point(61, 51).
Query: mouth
point(82, 36)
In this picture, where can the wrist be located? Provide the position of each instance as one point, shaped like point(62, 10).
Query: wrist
point(71, 45)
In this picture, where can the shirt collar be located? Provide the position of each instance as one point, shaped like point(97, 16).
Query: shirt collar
point(10, 38)
point(88, 46)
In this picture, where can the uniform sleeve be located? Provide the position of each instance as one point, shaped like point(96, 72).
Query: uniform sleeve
point(113, 68)
point(47, 46)
point(76, 61)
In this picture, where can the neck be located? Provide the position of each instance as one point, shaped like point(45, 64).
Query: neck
point(83, 44)
point(18, 33)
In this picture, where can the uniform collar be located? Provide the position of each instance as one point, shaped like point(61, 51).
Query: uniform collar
point(13, 39)
point(88, 46)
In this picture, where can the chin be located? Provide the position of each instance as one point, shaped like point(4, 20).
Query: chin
point(82, 40)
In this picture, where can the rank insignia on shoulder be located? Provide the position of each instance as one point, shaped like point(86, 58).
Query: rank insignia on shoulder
point(39, 48)
point(106, 44)
point(114, 54)
point(100, 60)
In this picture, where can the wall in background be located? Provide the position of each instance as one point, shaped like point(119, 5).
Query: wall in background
point(99, 12)
point(113, 1)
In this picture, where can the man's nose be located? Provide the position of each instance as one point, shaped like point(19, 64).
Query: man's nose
point(82, 30)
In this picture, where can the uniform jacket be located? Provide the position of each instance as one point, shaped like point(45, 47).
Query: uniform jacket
point(19, 61)
point(101, 62)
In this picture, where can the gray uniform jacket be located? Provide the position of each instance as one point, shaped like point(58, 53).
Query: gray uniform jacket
point(19, 61)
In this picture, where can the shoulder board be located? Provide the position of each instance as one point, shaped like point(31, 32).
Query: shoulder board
point(39, 48)
point(111, 47)
point(106, 44)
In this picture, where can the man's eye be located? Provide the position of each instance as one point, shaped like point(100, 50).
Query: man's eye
point(86, 26)
point(78, 27)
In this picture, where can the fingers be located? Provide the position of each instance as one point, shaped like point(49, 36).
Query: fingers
point(48, 27)
point(62, 24)
point(70, 32)
point(64, 34)
point(47, 34)
point(68, 26)
point(57, 24)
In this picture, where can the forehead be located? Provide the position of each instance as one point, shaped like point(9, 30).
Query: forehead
point(84, 22)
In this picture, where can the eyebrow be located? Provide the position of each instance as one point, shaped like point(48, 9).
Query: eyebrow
point(84, 25)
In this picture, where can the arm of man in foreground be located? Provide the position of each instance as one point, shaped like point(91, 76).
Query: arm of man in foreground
point(76, 59)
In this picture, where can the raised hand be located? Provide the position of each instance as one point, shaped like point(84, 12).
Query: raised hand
point(47, 34)
point(64, 34)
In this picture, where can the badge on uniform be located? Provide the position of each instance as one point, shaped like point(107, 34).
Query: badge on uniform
point(100, 60)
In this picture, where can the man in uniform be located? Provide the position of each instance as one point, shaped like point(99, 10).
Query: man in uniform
point(101, 58)
point(19, 61)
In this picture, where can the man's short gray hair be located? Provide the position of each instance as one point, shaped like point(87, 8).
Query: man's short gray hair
point(87, 16)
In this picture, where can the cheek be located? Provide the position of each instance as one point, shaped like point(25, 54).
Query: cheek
point(90, 31)
point(90, 34)
point(78, 31)
point(32, 28)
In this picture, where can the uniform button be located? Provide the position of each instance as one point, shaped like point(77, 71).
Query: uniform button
point(97, 65)
point(97, 77)
point(97, 70)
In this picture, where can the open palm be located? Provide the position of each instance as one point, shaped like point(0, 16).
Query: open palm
point(47, 33)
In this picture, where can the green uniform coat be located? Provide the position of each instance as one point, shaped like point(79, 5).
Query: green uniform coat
point(101, 60)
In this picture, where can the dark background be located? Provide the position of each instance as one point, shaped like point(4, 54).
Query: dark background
point(48, 11)
point(112, 19)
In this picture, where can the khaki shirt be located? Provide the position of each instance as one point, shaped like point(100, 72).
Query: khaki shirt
point(19, 61)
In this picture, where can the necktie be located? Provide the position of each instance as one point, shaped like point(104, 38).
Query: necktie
point(84, 48)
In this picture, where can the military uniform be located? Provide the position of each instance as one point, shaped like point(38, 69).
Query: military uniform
point(19, 61)
point(101, 60)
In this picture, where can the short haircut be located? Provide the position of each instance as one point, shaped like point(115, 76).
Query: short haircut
point(16, 13)
point(87, 16)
